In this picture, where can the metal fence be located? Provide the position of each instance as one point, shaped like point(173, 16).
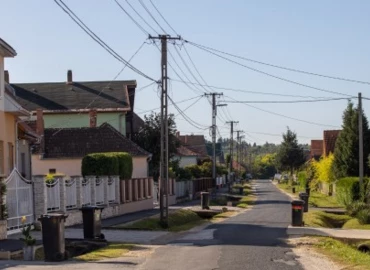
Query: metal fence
point(86, 192)
point(71, 194)
point(111, 190)
point(99, 191)
point(53, 195)
point(183, 188)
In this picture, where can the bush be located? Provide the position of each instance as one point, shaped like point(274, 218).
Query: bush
point(114, 163)
point(363, 216)
point(302, 179)
point(355, 207)
point(348, 190)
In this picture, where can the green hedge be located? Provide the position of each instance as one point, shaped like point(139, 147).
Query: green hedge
point(302, 179)
point(348, 190)
point(115, 163)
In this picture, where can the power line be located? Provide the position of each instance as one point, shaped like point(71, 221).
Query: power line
point(141, 17)
point(97, 39)
point(265, 73)
point(285, 68)
point(160, 14)
point(151, 15)
point(132, 19)
point(286, 101)
point(191, 105)
point(248, 91)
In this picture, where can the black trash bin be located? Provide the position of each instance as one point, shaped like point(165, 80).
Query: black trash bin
point(91, 216)
point(297, 213)
point(304, 197)
point(308, 191)
point(53, 236)
point(293, 189)
point(205, 200)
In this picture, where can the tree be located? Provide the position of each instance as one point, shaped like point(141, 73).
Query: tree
point(149, 138)
point(264, 166)
point(346, 157)
point(290, 155)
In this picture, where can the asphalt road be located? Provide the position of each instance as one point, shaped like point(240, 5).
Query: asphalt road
point(252, 240)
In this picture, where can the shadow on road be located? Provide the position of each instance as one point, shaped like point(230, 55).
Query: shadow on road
point(271, 202)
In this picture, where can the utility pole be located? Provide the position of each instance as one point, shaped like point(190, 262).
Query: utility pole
point(164, 183)
point(361, 145)
point(231, 143)
point(214, 127)
point(238, 147)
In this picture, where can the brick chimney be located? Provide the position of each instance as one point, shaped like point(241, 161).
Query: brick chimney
point(93, 118)
point(39, 122)
point(69, 77)
point(6, 76)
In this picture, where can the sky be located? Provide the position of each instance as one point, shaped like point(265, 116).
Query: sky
point(326, 37)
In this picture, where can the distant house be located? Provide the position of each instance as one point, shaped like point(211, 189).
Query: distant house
point(317, 149)
point(186, 157)
point(330, 138)
point(70, 104)
point(195, 143)
point(62, 149)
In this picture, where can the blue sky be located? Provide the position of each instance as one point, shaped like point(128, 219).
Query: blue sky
point(328, 37)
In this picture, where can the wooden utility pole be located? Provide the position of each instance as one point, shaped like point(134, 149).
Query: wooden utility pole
point(214, 127)
point(238, 147)
point(164, 183)
point(361, 145)
point(231, 143)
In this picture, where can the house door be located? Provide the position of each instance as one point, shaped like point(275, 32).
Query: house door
point(19, 201)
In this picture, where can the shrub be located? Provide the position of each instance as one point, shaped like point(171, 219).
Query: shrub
point(114, 163)
point(302, 179)
point(363, 216)
point(355, 207)
point(184, 174)
point(348, 190)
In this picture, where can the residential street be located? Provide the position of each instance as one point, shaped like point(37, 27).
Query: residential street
point(252, 240)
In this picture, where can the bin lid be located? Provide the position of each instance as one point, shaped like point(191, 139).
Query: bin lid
point(297, 202)
point(303, 194)
point(88, 207)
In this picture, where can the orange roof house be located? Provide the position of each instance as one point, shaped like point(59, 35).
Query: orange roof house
point(330, 138)
point(316, 149)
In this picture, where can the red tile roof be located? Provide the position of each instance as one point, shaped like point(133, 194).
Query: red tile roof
point(184, 151)
point(195, 143)
point(316, 148)
point(330, 137)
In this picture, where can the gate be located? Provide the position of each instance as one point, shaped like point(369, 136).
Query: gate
point(19, 201)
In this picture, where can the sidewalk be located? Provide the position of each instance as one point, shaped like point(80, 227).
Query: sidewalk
point(337, 233)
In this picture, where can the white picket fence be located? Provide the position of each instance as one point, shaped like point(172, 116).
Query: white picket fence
point(71, 194)
point(86, 192)
point(111, 190)
point(183, 188)
point(99, 191)
point(53, 195)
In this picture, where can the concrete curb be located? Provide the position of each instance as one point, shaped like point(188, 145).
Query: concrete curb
point(336, 233)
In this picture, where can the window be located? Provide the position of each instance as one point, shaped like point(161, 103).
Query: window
point(52, 171)
point(2, 156)
point(11, 157)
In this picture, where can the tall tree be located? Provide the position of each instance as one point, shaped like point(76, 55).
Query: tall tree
point(290, 155)
point(149, 138)
point(346, 152)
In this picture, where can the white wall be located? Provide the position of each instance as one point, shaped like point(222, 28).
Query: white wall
point(140, 167)
point(72, 167)
point(186, 161)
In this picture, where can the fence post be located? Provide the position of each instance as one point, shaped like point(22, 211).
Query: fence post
point(136, 195)
point(62, 193)
point(92, 180)
point(123, 191)
point(40, 198)
point(117, 191)
point(79, 193)
point(130, 195)
point(104, 180)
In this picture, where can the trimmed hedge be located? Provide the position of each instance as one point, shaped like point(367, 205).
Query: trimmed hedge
point(348, 190)
point(115, 163)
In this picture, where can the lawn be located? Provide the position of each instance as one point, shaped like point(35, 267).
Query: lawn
point(354, 224)
point(316, 199)
point(342, 253)
point(324, 220)
point(180, 220)
point(113, 250)
point(246, 201)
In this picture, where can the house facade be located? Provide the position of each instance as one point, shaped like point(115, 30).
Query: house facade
point(70, 104)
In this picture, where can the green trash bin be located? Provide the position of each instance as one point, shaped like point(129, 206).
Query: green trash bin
point(297, 213)
point(53, 236)
point(91, 216)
